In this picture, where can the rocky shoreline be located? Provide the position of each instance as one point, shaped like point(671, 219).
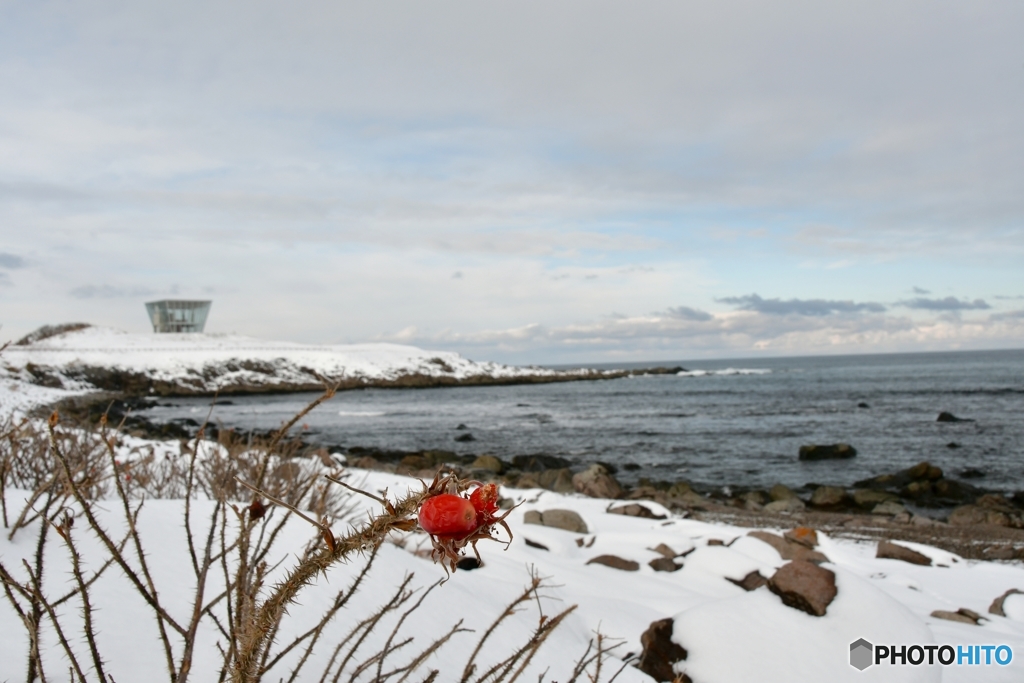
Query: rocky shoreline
point(919, 504)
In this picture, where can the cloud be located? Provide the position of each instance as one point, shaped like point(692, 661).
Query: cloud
point(807, 307)
point(948, 304)
point(687, 313)
point(11, 261)
point(919, 290)
point(110, 292)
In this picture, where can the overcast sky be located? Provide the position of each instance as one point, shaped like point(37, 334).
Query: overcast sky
point(546, 182)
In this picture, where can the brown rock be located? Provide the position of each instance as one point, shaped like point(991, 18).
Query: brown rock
point(715, 541)
point(751, 581)
point(890, 551)
point(924, 470)
point(660, 653)
point(615, 562)
point(533, 517)
point(869, 498)
point(664, 551)
point(804, 586)
point(967, 515)
point(596, 482)
point(664, 564)
point(534, 544)
point(803, 535)
point(785, 505)
point(564, 519)
point(635, 510)
point(781, 492)
point(489, 463)
point(787, 549)
point(963, 615)
point(559, 481)
point(835, 451)
point(997, 604)
point(828, 496)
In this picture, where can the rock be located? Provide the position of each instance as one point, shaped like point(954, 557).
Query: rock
point(862, 404)
point(538, 462)
point(835, 451)
point(785, 505)
point(972, 473)
point(924, 470)
point(868, 498)
point(997, 604)
point(489, 463)
point(664, 551)
point(690, 499)
point(635, 510)
point(468, 563)
point(781, 492)
point(660, 653)
point(950, 417)
point(828, 497)
point(615, 562)
point(967, 515)
point(803, 535)
point(465, 437)
point(787, 549)
point(758, 498)
point(804, 586)
point(596, 483)
point(567, 520)
point(559, 481)
point(964, 616)
point(664, 564)
point(890, 551)
point(994, 501)
point(534, 544)
point(889, 508)
point(462, 427)
point(751, 581)
point(953, 444)
point(950, 490)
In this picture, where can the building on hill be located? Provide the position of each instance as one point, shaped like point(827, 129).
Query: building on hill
point(176, 315)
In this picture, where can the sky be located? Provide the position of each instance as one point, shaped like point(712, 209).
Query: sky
point(527, 182)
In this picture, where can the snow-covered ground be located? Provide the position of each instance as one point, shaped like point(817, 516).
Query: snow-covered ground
point(78, 361)
point(730, 634)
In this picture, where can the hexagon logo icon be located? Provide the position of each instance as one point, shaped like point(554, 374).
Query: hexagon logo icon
point(861, 654)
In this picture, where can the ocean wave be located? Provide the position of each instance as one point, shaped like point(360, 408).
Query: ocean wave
point(360, 413)
point(724, 371)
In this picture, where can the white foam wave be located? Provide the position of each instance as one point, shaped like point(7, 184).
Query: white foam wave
point(360, 413)
point(724, 371)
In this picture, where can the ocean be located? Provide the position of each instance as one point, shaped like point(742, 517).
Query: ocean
point(735, 423)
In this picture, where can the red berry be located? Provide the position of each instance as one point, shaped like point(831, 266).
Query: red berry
point(448, 516)
point(485, 499)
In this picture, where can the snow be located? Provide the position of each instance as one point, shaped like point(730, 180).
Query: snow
point(730, 634)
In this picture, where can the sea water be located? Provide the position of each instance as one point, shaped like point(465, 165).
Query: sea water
point(736, 423)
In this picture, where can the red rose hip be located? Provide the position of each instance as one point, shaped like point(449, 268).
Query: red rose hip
point(448, 516)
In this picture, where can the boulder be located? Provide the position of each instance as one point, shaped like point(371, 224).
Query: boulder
point(489, 463)
point(596, 483)
point(997, 604)
point(534, 544)
point(962, 615)
point(785, 505)
point(538, 462)
point(781, 492)
point(828, 497)
point(950, 417)
point(462, 438)
point(635, 510)
point(664, 564)
point(615, 562)
point(804, 586)
point(569, 520)
point(889, 508)
point(890, 551)
point(559, 481)
point(664, 551)
point(660, 653)
point(788, 550)
point(803, 535)
point(869, 498)
point(968, 515)
point(835, 451)
point(924, 470)
point(751, 581)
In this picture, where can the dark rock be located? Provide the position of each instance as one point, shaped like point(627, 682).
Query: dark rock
point(469, 563)
point(635, 510)
point(615, 562)
point(716, 541)
point(924, 471)
point(950, 417)
point(751, 581)
point(465, 437)
point(489, 463)
point(609, 468)
point(804, 586)
point(781, 492)
point(890, 551)
point(534, 544)
point(787, 549)
point(921, 471)
point(997, 604)
point(631, 467)
point(836, 451)
point(862, 404)
point(1018, 499)
point(538, 462)
point(660, 653)
point(971, 473)
point(597, 483)
point(559, 481)
point(462, 427)
point(953, 444)
point(868, 498)
point(664, 564)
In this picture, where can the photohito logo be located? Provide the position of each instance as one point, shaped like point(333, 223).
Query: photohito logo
point(863, 654)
